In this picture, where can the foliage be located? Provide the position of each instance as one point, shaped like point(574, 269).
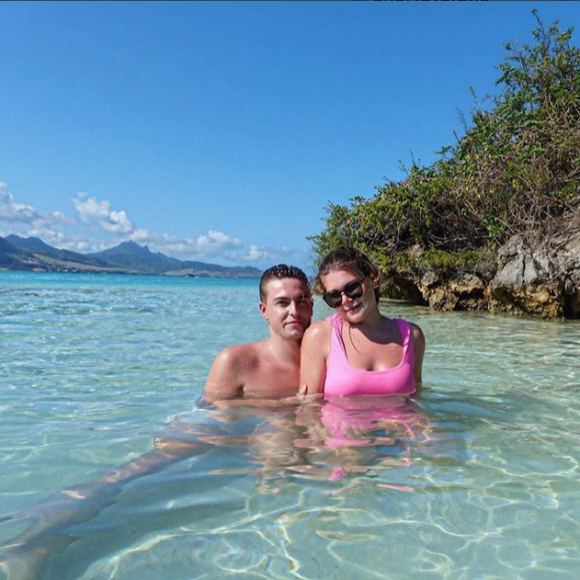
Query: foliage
point(516, 169)
point(447, 263)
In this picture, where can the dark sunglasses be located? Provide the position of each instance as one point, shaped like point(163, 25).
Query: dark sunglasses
point(351, 290)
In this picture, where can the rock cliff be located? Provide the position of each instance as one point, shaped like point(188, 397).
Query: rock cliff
point(521, 278)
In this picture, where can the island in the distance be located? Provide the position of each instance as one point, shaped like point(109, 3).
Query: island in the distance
point(17, 253)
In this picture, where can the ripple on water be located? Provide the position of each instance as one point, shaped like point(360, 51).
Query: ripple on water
point(480, 478)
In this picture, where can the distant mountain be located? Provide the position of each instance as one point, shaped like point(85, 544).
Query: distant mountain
point(37, 246)
point(18, 253)
point(215, 270)
point(135, 257)
point(141, 258)
point(11, 257)
point(27, 243)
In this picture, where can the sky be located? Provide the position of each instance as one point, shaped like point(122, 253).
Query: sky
point(220, 131)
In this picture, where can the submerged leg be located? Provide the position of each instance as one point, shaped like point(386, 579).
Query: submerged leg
point(25, 557)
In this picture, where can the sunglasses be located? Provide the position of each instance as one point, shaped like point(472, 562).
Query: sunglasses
point(351, 290)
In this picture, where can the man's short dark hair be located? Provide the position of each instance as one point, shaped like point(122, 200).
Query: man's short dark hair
point(280, 272)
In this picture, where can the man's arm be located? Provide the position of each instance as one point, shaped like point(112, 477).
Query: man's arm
point(259, 403)
point(225, 379)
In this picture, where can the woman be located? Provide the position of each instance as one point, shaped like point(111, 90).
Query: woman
point(358, 351)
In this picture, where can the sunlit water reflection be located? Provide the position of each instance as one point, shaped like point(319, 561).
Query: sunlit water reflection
point(476, 478)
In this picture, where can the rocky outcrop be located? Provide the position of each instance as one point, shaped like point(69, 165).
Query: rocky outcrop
point(541, 281)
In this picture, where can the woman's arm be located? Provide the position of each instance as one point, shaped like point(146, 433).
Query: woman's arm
point(313, 356)
point(419, 347)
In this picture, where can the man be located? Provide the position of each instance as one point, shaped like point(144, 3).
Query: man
point(261, 374)
point(266, 373)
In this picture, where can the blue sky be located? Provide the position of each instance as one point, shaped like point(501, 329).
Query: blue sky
point(219, 131)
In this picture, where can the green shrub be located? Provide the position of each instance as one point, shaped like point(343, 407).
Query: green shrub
point(516, 169)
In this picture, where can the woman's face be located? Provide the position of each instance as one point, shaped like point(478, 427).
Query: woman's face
point(356, 300)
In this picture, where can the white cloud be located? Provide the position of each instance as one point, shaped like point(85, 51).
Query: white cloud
point(267, 256)
point(214, 243)
point(91, 210)
point(208, 245)
point(81, 246)
point(13, 212)
point(57, 217)
point(95, 227)
point(46, 234)
point(255, 254)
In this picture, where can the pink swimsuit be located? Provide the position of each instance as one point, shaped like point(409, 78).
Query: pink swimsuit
point(355, 421)
point(344, 379)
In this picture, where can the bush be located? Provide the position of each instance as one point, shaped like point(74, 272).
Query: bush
point(516, 169)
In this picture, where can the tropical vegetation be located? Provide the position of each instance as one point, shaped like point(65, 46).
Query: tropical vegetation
point(515, 169)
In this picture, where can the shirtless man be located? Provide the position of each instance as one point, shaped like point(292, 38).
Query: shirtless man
point(258, 374)
point(266, 373)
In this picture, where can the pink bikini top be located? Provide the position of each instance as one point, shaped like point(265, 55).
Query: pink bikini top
point(343, 379)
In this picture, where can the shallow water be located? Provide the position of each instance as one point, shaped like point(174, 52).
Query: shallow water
point(477, 478)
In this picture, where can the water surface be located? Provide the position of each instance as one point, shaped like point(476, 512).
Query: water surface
point(477, 478)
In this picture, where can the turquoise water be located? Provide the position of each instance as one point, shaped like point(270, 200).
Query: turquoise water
point(478, 478)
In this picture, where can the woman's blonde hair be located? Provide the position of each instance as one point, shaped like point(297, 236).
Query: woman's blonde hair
point(352, 260)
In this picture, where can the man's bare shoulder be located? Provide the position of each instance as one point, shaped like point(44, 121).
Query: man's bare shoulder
point(239, 356)
point(231, 370)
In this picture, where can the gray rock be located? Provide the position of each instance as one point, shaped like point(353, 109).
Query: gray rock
point(540, 280)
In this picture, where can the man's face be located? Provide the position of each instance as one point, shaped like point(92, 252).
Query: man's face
point(287, 307)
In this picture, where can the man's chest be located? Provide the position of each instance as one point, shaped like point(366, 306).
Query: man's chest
point(272, 382)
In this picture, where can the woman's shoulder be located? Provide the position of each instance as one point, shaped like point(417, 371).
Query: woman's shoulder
point(415, 328)
point(318, 330)
point(418, 336)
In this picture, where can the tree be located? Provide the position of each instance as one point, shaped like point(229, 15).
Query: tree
point(516, 169)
